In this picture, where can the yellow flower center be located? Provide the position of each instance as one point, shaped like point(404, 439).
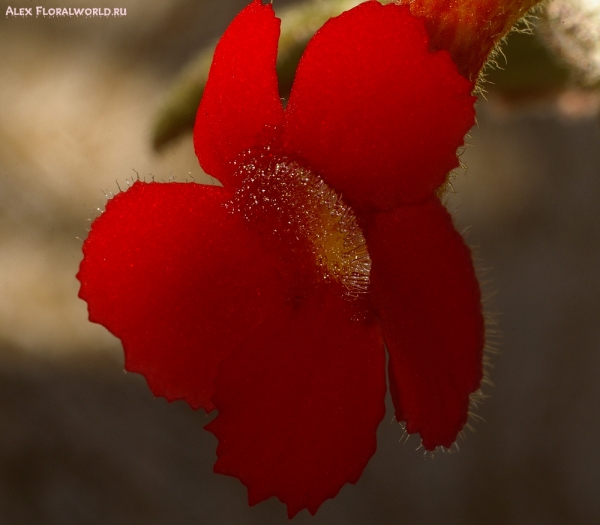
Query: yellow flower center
point(301, 212)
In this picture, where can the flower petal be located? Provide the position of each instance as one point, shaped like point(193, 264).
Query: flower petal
point(375, 113)
point(427, 296)
point(240, 108)
point(299, 403)
point(170, 272)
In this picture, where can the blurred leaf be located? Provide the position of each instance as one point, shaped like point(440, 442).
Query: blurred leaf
point(178, 110)
point(527, 70)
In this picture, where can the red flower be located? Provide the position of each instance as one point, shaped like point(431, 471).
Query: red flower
point(270, 298)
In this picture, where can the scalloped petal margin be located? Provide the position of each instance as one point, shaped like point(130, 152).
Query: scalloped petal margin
point(304, 422)
point(168, 271)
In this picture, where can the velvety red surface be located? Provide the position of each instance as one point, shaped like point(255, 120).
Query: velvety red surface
point(212, 311)
point(159, 272)
point(424, 289)
point(299, 402)
point(375, 113)
point(240, 106)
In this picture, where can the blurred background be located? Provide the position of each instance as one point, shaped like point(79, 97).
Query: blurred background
point(82, 443)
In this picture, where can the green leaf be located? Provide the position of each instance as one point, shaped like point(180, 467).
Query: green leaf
point(529, 71)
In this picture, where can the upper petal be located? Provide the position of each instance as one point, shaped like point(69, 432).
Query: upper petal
point(427, 296)
point(299, 402)
point(179, 280)
point(240, 108)
point(375, 113)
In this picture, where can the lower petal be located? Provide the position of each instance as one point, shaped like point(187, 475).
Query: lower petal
point(426, 293)
point(180, 281)
point(299, 402)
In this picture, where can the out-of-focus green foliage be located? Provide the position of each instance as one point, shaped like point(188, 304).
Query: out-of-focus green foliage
point(525, 69)
point(178, 109)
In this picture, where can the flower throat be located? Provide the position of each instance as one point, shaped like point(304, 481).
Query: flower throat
point(295, 207)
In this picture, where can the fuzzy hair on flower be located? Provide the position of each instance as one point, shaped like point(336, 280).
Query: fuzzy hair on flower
point(273, 297)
